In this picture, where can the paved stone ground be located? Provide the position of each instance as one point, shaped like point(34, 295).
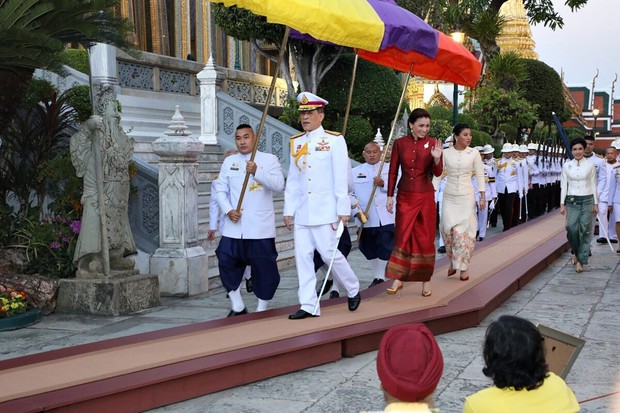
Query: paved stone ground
point(584, 305)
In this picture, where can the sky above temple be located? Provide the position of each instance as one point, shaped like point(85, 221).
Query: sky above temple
point(586, 42)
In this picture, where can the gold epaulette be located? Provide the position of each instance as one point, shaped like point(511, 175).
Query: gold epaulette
point(331, 132)
point(298, 135)
point(214, 178)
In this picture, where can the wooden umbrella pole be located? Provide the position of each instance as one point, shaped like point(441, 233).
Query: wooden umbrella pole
point(263, 118)
point(387, 145)
point(346, 113)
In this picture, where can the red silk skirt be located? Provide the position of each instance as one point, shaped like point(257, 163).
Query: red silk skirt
point(413, 257)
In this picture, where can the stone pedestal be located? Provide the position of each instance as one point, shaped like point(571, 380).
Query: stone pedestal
point(110, 296)
point(180, 262)
point(182, 271)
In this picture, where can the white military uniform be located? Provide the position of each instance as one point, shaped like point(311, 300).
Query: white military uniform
point(602, 187)
point(316, 194)
point(613, 197)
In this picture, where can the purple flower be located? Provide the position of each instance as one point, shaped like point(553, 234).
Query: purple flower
point(75, 226)
point(55, 245)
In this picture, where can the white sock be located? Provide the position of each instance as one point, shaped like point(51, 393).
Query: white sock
point(247, 274)
point(379, 268)
point(236, 301)
point(262, 305)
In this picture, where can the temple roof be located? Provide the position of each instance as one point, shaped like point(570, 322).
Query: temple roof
point(516, 35)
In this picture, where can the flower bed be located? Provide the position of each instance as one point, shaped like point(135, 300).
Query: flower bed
point(12, 302)
point(14, 311)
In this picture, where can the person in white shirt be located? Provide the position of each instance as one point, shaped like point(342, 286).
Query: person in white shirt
point(248, 235)
point(490, 190)
point(508, 184)
point(534, 193)
point(613, 168)
point(606, 218)
point(216, 222)
point(525, 179)
point(601, 175)
point(613, 199)
point(579, 201)
point(376, 240)
point(316, 197)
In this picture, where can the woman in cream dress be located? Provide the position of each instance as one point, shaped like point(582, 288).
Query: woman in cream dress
point(458, 218)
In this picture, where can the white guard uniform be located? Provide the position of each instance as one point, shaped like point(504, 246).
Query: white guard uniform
point(316, 194)
point(601, 186)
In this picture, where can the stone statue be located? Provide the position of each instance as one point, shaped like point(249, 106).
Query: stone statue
point(101, 152)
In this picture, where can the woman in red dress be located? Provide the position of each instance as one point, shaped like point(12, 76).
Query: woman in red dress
point(419, 158)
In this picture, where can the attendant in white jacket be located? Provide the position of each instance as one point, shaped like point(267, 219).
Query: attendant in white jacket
point(216, 222)
point(377, 237)
point(248, 235)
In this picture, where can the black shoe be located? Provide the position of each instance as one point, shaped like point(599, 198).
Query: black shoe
point(334, 294)
point(328, 286)
point(494, 225)
point(354, 302)
point(613, 241)
point(300, 314)
point(441, 250)
point(601, 240)
point(376, 281)
point(480, 239)
point(248, 285)
point(235, 313)
point(589, 253)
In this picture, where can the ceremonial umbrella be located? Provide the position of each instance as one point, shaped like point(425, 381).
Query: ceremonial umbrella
point(453, 62)
point(362, 24)
point(352, 23)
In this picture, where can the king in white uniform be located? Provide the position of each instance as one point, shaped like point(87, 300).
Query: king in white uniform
point(316, 198)
point(248, 235)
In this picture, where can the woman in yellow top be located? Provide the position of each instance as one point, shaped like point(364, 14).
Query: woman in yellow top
point(515, 360)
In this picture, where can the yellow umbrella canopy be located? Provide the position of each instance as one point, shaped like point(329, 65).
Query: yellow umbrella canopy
point(352, 23)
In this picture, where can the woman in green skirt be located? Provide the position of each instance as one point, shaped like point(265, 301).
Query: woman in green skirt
point(578, 200)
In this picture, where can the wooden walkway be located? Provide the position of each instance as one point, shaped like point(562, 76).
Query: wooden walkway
point(153, 369)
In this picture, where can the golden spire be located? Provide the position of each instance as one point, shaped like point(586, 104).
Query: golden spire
point(516, 35)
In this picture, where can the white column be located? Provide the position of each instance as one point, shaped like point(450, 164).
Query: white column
point(180, 263)
point(210, 84)
point(103, 63)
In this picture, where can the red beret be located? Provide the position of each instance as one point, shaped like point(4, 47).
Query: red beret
point(409, 362)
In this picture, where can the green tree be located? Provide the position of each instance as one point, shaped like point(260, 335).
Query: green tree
point(33, 34)
point(312, 61)
point(375, 98)
point(494, 106)
point(32, 140)
point(507, 71)
point(544, 88)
